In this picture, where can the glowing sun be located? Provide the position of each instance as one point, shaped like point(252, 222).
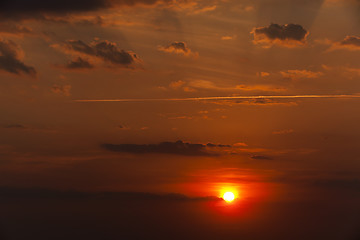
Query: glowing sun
point(228, 196)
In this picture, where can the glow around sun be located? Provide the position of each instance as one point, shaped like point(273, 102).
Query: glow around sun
point(229, 196)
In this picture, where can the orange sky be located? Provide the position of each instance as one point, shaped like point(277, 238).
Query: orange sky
point(145, 97)
point(268, 148)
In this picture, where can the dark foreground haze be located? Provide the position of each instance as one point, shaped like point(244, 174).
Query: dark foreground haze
point(41, 214)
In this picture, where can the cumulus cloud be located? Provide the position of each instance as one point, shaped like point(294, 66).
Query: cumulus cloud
point(176, 148)
point(97, 50)
point(11, 59)
point(288, 35)
point(300, 74)
point(178, 48)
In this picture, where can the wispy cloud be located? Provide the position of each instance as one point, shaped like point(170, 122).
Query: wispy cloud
point(220, 98)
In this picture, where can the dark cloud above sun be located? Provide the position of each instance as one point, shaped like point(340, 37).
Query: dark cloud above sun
point(176, 148)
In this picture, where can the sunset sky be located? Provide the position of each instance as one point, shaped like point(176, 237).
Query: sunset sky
point(142, 113)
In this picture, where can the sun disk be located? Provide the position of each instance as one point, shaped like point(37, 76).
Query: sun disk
point(229, 196)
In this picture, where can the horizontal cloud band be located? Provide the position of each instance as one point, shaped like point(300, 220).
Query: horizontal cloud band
point(216, 98)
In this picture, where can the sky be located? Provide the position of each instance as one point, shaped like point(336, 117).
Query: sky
point(129, 119)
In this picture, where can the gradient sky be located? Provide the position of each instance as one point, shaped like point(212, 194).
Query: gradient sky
point(120, 96)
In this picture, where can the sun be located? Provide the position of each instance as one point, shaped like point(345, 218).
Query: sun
point(229, 197)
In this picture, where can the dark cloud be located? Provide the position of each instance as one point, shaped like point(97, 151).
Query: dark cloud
point(181, 46)
point(260, 157)
point(177, 47)
point(79, 63)
point(10, 59)
point(107, 51)
point(287, 35)
point(39, 8)
point(177, 148)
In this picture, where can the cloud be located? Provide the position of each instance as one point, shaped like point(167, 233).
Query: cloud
point(227, 38)
point(240, 144)
point(38, 193)
point(351, 43)
point(10, 59)
point(176, 148)
point(263, 74)
point(259, 99)
point(209, 85)
point(178, 48)
point(79, 63)
point(14, 29)
point(260, 157)
point(257, 102)
point(105, 51)
point(122, 127)
point(298, 74)
point(288, 35)
point(176, 84)
point(61, 89)
point(15, 126)
point(22, 9)
point(282, 132)
point(21, 127)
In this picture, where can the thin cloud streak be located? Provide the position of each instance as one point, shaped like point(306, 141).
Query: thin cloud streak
point(216, 98)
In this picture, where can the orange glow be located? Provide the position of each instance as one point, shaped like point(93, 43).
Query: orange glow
point(229, 196)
